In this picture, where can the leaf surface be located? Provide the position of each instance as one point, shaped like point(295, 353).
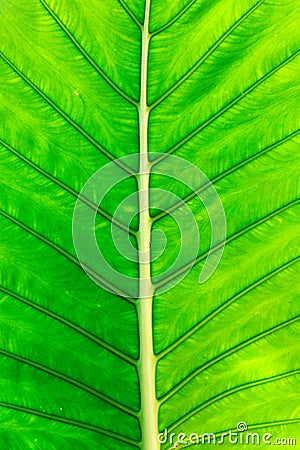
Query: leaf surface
point(87, 365)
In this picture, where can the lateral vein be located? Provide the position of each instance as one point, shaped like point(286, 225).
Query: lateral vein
point(68, 421)
point(230, 239)
point(73, 326)
point(224, 109)
point(205, 56)
point(68, 255)
point(224, 174)
point(164, 398)
point(130, 14)
point(174, 20)
point(68, 119)
point(224, 306)
point(88, 58)
point(106, 215)
point(230, 392)
point(68, 379)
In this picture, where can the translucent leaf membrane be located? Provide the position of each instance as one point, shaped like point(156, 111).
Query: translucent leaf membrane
point(163, 14)
point(65, 69)
point(71, 357)
point(222, 416)
point(220, 82)
point(71, 294)
point(135, 9)
point(223, 77)
point(249, 194)
point(35, 429)
point(256, 253)
point(114, 53)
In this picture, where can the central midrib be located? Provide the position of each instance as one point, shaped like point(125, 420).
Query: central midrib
point(147, 361)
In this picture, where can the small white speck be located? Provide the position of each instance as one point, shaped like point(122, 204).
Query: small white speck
point(76, 93)
point(61, 409)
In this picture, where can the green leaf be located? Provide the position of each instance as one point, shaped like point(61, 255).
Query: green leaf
point(124, 89)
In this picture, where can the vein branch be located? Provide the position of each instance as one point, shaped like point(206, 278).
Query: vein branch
point(68, 379)
point(248, 342)
point(106, 215)
point(73, 326)
point(230, 392)
point(174, 20)
point(224, 174)
point(130, 13)
point(224, 109)
point(88, 58)
point(230, 239)
point(68, 421)
point(68, 119)
point(224, 306)
point(205, 56)
point(68, 256)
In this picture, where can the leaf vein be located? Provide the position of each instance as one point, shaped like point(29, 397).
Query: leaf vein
point(174, 20)
point(88, 58)
point(224, 306)
point(230, 392)
point(67, 421)
point(68, 256)
point(68, 379)
point(231, 238)
point(248, 342)
point(106, 215)
point(130, 13)
point(225, 108)
point(73, 326)
point(205, 56)
point(224, 174)
point(68, 119)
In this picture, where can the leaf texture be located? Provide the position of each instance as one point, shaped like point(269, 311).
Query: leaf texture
point(85, 83)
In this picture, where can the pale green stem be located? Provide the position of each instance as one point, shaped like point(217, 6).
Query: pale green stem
point(147, 360)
